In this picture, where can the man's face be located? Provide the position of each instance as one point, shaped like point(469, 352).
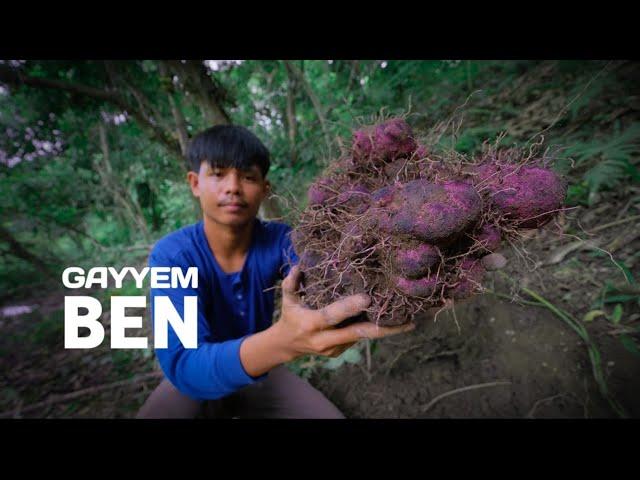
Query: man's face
point(229, 196)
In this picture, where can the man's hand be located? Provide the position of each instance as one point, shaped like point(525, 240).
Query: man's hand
point(306, 331)
point(301, 330)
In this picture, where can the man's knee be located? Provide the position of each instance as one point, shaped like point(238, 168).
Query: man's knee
point(166, 401)
point(299, 399)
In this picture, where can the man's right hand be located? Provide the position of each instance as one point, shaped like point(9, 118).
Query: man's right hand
point(305, 331)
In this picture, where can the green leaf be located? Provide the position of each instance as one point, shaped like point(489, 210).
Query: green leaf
point(593, 314)
point(617, 314)
point(627, 272)
point(620, 298)
point(352, 355)
point(630, 344)
point(333, 363)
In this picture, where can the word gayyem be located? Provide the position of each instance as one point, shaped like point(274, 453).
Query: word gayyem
point(85, 311)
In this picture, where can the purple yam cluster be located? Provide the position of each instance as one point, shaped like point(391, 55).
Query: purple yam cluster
point(393, 215)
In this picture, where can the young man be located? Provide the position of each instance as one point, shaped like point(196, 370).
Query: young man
point(238, 368)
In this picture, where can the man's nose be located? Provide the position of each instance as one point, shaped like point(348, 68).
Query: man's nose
point(232, 184)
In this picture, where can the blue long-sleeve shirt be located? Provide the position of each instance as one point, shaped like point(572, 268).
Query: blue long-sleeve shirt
point(231, 306)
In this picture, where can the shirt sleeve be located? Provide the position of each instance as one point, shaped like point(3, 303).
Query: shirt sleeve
point(288, 257)
point(210, 371)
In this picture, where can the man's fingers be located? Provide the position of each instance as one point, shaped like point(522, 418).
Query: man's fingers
point(361, 330)
point(371, 330)
point(289, 286)
point(342, 309)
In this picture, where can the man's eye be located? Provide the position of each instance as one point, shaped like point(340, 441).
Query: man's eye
point(250, 177)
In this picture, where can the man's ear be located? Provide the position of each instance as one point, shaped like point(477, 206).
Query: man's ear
point(193, 179)
point(267, 188)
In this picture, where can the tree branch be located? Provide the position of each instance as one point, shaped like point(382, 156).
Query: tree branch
point(17, 250)
point(116, 188)
point(145, 106)
point(314, 100)
point(14, 77)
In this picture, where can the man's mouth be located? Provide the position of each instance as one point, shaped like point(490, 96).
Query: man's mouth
point(233, 206)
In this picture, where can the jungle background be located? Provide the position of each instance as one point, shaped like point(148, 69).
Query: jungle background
point(92, 173)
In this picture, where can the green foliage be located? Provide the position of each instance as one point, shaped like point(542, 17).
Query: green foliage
point(176, 205)
point(122, 362)
point(626, 330)
point(351, 355)
point(304, 366)
point(42, 331)
point(613, 294)
point(605, 162)
point(49, 331)
point(307, 365)
point(616, 316)
point(630, 344)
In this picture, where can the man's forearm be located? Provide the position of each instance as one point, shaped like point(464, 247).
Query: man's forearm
point(263, 351)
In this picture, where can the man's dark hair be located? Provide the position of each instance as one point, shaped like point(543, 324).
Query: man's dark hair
point(228, 146)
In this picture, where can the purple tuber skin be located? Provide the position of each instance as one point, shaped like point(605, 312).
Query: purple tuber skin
point(363, 143)
point(416, 262)
point(421, 152)
point(319, 192)
point(386, 141)
point(429, 212)
point(471, 273)
point(490, 238)
point(421, 287)
point(529, 195)
point(394, 138)
point(355, 197)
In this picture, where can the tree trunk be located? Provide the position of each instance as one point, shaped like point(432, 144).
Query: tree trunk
point(353, 74)
point(205, 89)
point(292, 123)
point(178, 117)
